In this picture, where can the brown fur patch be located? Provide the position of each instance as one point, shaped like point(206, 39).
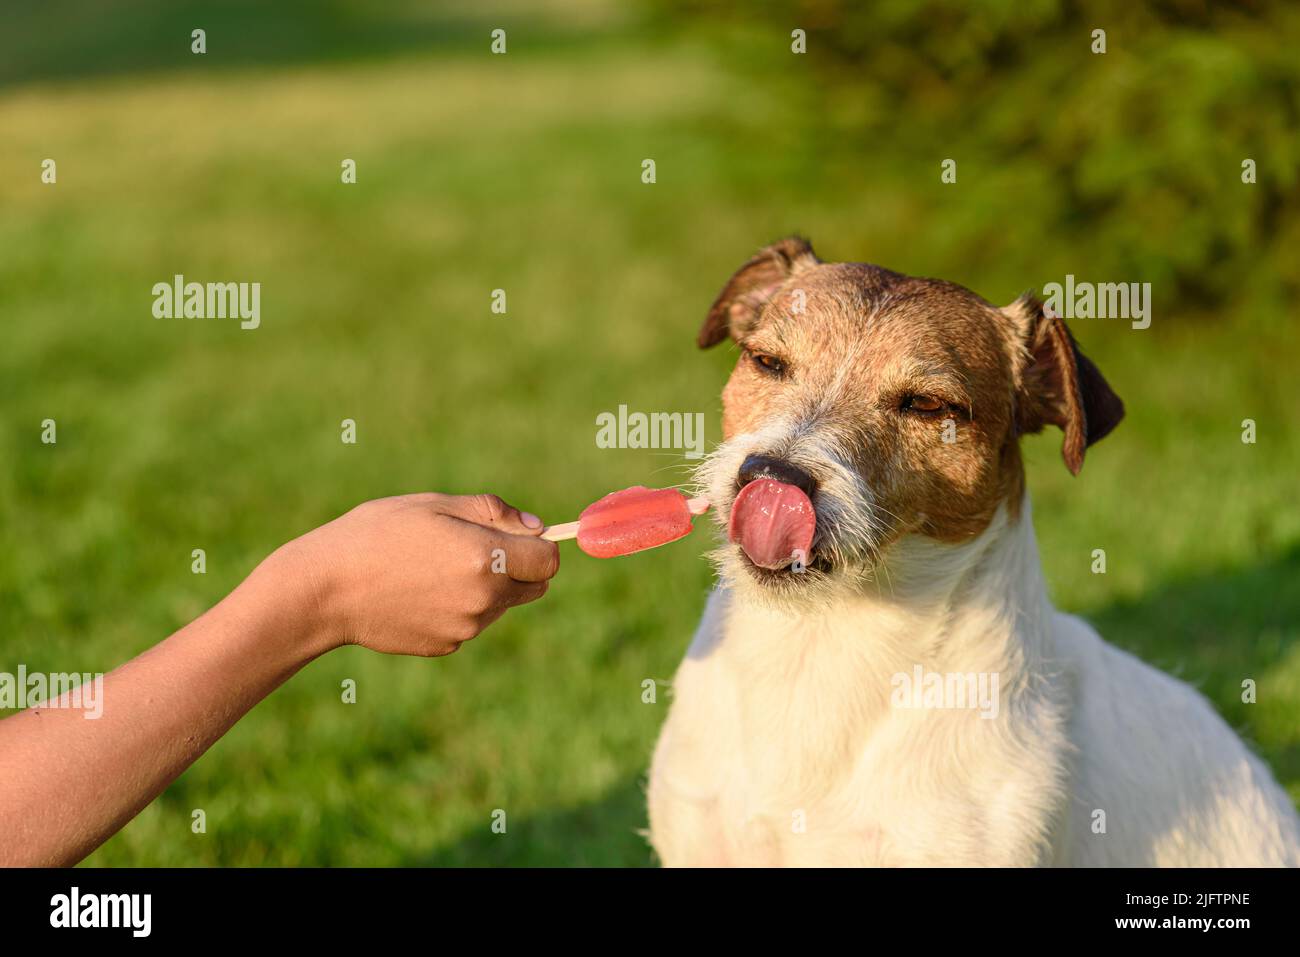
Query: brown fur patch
point(855, 344)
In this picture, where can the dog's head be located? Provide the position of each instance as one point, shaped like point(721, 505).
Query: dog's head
point(867, 406)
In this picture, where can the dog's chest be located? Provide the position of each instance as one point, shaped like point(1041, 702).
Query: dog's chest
point(767, 799)
point(781, 751)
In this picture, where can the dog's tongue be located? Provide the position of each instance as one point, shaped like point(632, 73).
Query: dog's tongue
point(773, 522)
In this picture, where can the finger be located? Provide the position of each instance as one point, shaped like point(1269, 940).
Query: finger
point(524, 592)
point(486, 619)
point(493, 512)
point(529, 559)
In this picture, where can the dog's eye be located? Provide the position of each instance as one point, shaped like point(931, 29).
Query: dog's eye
point(768, 364)
point(924, 404)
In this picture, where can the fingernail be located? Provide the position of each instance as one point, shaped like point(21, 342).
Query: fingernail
point(530, 520)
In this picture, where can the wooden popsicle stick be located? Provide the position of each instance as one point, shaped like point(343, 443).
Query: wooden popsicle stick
point(560, 533)
point(567, 530)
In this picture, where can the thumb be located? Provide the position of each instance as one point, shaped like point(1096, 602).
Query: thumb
point(493, 512)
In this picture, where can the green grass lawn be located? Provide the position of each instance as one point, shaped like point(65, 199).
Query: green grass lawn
point(519, 172)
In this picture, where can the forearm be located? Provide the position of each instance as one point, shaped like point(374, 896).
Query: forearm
point(68, 782)
point(411, 575)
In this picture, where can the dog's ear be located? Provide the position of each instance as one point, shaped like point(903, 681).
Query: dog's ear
point(1058, 384)
point(752, 285)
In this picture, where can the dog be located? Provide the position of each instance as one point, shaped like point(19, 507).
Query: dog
point(872, 422)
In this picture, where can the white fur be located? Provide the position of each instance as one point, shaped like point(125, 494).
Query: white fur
point(783, 747)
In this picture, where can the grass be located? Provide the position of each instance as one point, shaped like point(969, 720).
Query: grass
point(523, 173)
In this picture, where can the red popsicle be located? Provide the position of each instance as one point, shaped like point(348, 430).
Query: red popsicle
point(630, 521)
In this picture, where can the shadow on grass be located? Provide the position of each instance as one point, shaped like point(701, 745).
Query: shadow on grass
point(1212, 631)
point(602, 833)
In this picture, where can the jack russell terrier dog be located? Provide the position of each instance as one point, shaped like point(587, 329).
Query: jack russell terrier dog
point(880, 538)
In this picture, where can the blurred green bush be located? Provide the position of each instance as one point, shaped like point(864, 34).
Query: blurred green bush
point(1137, 152)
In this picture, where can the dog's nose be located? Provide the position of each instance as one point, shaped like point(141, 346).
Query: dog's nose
point(765, 466)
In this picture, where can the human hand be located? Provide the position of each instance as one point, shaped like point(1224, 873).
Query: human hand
point(417, 574)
